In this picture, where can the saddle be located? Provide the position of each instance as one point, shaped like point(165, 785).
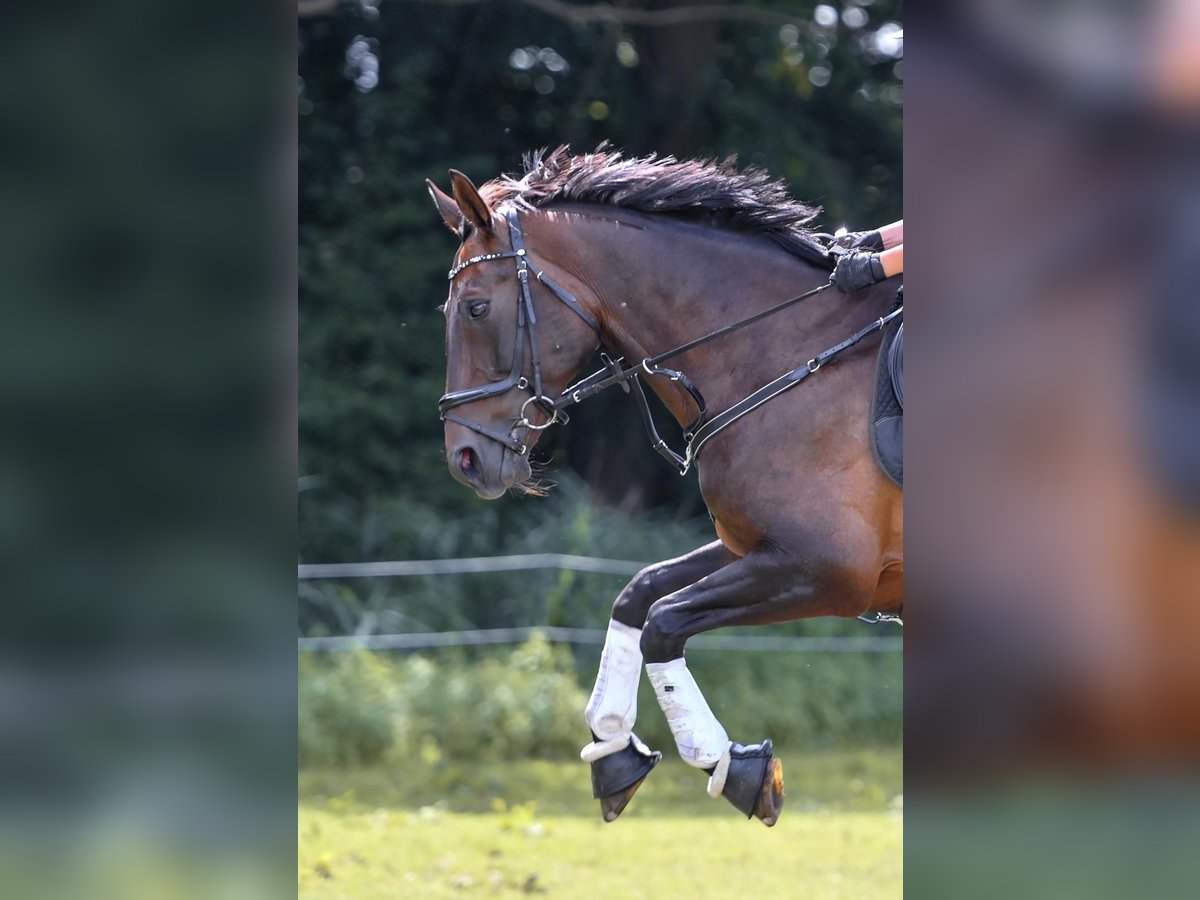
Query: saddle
point(887, 408)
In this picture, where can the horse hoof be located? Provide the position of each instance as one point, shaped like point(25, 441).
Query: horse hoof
point(770, 799)
point(754, 784)
point(616, 778)
point(612, 806)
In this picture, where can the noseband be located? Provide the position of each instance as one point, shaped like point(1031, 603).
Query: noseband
point(526, 325)
point(697, 434)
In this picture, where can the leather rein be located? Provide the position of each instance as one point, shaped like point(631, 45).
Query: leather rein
point(617, 372)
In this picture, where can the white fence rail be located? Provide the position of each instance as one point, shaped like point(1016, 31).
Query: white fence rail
point(533, 561)
point(427, 640)
point(470, 565)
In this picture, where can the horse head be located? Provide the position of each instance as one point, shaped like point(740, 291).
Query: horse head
point(508, 357)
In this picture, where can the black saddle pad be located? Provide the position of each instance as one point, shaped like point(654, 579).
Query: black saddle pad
point(887, 409)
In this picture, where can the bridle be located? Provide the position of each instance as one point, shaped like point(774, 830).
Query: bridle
point(702, 429)
point(526, 325)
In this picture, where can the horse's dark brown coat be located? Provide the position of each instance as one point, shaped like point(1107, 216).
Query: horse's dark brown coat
point(807, 523)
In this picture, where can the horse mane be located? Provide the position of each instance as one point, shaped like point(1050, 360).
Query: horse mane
point(697, 190)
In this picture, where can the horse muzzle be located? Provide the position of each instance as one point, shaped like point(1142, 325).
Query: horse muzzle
point(488, 468)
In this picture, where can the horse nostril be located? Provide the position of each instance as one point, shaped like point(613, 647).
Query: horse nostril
point(468, 462)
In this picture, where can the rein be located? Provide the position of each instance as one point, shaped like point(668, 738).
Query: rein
point(701, 430)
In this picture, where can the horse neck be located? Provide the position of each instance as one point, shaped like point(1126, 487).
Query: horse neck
point(659, 283)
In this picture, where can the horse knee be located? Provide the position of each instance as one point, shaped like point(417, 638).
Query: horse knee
point(662, 639)
point(633, 603)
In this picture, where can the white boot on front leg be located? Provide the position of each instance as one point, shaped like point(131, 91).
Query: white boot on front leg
point(701, 739)
point(612, 709)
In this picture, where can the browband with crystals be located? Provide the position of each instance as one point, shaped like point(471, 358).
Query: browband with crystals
point(506, 254)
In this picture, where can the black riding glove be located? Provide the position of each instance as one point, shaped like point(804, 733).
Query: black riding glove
point(856, 270)
point(859, 240)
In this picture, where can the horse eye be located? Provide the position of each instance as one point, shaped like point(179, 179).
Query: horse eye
point(478, 309)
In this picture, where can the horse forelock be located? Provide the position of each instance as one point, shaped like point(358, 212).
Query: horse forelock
point(706, 191)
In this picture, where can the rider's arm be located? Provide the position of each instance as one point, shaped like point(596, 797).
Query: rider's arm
point(892, 260)
point(892, 235)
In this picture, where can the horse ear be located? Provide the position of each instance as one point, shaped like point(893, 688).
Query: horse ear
point(474, 208)
point(445, 204)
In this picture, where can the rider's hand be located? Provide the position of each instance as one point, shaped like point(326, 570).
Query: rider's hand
point(858, 240)
point(856, 270)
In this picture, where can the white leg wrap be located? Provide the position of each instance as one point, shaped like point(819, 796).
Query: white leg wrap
point(701, 739)
point(612, 710)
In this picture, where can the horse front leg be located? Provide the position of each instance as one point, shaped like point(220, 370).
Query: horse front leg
point(764, 587)
point(620, 762)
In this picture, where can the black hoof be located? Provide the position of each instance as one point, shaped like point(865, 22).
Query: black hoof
point(616, 778)
point(754, 784)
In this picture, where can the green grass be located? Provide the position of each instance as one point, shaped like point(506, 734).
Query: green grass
point(440, 830)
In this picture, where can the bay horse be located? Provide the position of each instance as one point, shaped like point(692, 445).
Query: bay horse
point(643, 257)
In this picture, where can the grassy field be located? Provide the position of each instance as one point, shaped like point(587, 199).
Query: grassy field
point(441, 830)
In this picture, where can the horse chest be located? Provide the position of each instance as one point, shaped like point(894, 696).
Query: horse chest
point(733, 543)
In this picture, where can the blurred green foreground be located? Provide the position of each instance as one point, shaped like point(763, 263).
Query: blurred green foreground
point(522, 827)
point(456, 772)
